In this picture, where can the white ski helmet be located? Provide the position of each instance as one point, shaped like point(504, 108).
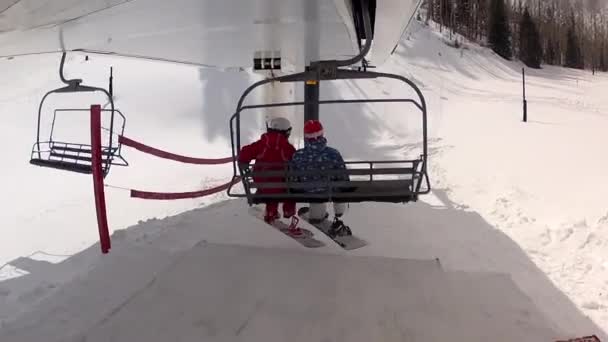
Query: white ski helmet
point(279, 124)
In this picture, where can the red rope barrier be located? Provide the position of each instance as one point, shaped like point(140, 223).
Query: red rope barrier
point(181, 195)
point(167, 155)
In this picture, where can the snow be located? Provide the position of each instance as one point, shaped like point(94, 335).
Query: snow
point(125, 281)
point(305, 296)
point(38, 212)
point(520, 204)
point(542, 183)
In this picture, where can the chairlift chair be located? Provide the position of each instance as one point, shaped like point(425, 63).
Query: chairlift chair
point(413, 177)
point(77, 157)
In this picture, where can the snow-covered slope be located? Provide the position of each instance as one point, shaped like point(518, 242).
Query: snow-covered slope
point(159, 264)
point(544, 182)
point(525, 200)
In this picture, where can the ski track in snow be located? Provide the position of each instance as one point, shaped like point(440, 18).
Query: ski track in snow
point(541, 183)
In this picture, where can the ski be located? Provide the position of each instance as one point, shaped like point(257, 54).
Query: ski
point(306, 239)
point(349, 242)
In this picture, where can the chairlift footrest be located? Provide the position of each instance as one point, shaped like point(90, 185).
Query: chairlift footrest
point(62, 165)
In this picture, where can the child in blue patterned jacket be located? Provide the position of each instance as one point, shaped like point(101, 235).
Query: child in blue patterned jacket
point(314, 156)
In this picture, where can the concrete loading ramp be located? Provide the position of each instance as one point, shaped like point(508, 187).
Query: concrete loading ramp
point(233, 293)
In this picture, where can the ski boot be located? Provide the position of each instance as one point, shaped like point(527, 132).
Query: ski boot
point(338, 229)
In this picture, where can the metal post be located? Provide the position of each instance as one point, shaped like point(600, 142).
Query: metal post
point(523, 76)
point(111, 86)
point(311, 87)
point(312, 39)
point(100, 200)
point(311, 93)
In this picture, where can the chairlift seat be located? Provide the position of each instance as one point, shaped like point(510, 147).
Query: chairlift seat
point(327, 189)
point(391, 191)
point(70, 157)
point(81, 150)
point(62, 165)
point(85, 158)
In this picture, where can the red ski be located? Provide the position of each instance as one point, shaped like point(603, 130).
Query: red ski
point(301, 235)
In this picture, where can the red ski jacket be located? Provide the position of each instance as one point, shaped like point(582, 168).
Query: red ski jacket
point(273, 147)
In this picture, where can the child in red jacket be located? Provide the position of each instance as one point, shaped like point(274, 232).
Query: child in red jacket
point(273, 147)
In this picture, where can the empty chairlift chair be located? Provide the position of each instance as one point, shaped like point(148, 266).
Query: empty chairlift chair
point(77, 156)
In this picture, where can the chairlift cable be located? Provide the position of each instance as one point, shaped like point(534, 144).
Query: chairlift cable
point(116, 187)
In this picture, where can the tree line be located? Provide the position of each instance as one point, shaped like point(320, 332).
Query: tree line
point(570, 33)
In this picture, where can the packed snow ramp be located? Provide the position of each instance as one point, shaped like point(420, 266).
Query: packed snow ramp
point(236, 293)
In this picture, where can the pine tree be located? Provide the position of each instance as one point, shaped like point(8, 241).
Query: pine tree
point(573, 50)
point(603, 62)
point(515, 19)
point(463, 17)
point(571, 32)
point(499, 35)
point(550, 55)
point(446, 12)
point(529, 42)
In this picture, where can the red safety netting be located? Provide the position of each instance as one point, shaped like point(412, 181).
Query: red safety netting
point(167, 155)
point(181, 195)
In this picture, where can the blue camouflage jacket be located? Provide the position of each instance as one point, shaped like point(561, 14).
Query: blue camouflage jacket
point(317, 155)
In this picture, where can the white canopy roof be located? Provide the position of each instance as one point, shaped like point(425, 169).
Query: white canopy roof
point(216, 33)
